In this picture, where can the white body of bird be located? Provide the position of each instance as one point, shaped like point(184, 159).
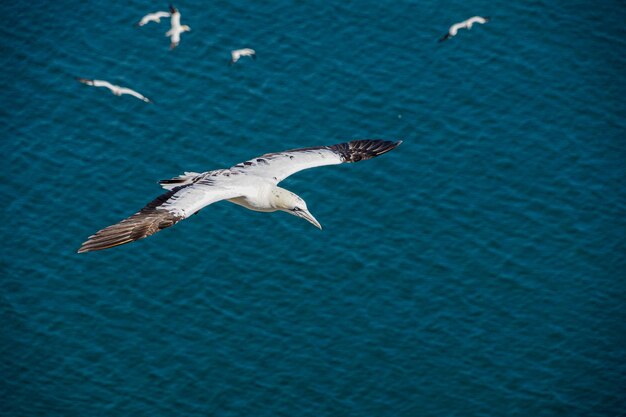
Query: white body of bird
point(176, 28)
point(115, 89)
point(252, 184)
point(466, 24)
point(238, 53)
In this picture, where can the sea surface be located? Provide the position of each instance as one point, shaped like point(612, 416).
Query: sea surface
point(477, 270)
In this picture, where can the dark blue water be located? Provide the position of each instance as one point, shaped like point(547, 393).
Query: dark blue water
point(477, 270)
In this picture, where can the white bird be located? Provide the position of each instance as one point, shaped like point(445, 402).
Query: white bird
point(238, 53)
point(115, 89)
point(251, 184)
point(176, 28)
point(152, 17)
point(466, 24)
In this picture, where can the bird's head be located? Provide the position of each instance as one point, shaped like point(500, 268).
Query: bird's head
point(289, 202)
point(185, 28)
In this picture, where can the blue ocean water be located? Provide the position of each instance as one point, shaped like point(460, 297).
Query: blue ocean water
point(477, 270)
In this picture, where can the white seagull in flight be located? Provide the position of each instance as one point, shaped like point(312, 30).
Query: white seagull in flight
point(152, 17)
point(238, 53)
point(176, 28)
point(251, 184)
point(115, 89)
point(466, 24)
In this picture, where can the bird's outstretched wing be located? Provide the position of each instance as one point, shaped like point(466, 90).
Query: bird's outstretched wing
point(478, 19)
point(133, 93)
point(278, 166)
point(164, 211)
point(96, 83)
point(159, 15)
point(99, 83)
point(84, 81)
point(152, 17)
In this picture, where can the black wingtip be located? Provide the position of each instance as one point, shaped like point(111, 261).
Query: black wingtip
point(360, 150)
point(444, 37)
point(176, 180)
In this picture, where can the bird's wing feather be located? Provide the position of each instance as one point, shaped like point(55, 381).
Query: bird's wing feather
point(455, 28)
point(186, 178)
point(153, 17)
point(133, 93)
point(278, 166)
point(84, 81)
point(100, 83)
point(164, 211)
point(477, 19)
point(146, 19)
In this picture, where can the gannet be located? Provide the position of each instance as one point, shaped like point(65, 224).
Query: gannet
point(238, 53)
point(115, 89)
point(176, 29)
point(152, 17)
point(466, 24)
point(252, 184)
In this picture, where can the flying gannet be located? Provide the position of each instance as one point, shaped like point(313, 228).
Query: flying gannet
point(251, 184)
point(238, 53)
point(152, 17)
point(115, 89)
point(176, 28)
point(466, 24)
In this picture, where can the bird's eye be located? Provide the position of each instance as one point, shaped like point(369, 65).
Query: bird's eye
point(296, 209)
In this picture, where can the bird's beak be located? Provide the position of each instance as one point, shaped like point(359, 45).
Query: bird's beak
point(308, 217)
